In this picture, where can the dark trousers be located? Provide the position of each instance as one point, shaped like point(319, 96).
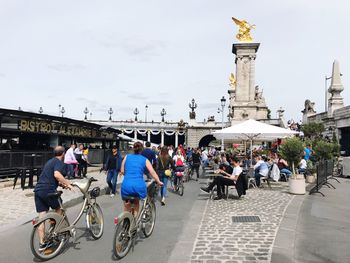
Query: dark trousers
point(195, 167)
point(220, 182)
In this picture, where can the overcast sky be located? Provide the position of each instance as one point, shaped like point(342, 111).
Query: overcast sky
point(126, 54)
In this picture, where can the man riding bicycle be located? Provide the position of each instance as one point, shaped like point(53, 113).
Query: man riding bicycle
point(50, 178)
point(133, 169)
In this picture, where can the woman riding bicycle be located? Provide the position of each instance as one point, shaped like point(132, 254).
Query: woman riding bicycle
point(133, 169)
point(179, 162)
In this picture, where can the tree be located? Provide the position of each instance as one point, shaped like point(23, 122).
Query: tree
point(292, 150)
point(313, 130)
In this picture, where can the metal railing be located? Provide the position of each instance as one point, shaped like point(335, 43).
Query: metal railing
point(325, 171)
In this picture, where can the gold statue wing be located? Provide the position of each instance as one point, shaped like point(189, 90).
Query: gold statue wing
point(238, 22)
point(232, 78)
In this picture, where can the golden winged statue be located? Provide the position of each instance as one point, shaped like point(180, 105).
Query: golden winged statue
point(232, 81)
point(244, 30)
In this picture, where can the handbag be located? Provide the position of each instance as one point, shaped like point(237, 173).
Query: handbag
point(167, 172)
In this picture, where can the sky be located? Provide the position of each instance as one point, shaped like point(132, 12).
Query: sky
point(162, 53)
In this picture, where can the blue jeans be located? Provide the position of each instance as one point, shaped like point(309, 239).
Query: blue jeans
point(164, 179)
point(70, 170)
point(112, 179)
point(286, 171)
point(257, 178)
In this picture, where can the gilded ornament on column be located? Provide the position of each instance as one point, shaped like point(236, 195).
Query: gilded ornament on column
point(244, 30)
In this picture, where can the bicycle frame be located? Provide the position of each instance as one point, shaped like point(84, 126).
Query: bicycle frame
point(63, 222)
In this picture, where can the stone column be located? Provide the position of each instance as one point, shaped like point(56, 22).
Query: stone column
point(336, 100)
point(252, 78)
point(135, 134)
point(162, 137)
point(149, 135)
point(176, 139)
point(245, 70)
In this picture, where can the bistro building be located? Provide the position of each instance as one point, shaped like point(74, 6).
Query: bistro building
point(28, 131)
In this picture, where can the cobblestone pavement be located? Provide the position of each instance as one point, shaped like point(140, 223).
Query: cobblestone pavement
point(17, 205)
point(221, 240)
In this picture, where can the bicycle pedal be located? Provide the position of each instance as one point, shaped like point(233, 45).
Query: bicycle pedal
point(73, 234)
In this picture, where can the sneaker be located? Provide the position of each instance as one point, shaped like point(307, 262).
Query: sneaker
point(205, 189)
point(111, 195)
point(44, 246)
point(218, 198)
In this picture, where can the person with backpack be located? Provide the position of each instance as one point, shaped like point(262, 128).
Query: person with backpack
point(179, 162)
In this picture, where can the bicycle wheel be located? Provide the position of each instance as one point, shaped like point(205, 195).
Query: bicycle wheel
point(94, 221)
point(171, 179)
point(148, 219)
point(180, 185)
point(52, 242)
point(122, 240)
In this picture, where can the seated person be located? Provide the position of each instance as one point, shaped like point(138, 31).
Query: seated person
point(261, 169)
point(283, 166)
point(226, 179)
point(302, 166)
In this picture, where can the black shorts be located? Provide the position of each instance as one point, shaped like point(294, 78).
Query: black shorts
point(43, 203)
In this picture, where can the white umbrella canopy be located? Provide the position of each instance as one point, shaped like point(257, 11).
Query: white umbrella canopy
point(253, 130)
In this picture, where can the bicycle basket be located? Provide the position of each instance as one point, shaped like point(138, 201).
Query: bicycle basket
point(95, 192)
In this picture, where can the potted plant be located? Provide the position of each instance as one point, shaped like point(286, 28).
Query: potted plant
point(292, 150)
point(310, 172)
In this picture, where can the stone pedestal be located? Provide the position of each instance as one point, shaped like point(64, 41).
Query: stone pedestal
point(248, 102)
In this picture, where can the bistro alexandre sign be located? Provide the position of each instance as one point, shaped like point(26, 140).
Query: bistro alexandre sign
point(55, 128)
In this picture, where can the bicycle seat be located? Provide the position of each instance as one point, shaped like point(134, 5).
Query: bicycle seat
point(55, 194)
point(130, 198)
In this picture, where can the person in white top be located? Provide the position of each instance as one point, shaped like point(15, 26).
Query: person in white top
point(302, 166)
point(179, 162)
point(70, 161)
point(225, 179)
point(261, 169)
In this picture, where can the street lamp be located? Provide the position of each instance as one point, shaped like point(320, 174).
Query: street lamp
point(41, 110)
point(59, 109)
point(86, 111)
point(223, 102)
point(146, 108)
point(163, 113)
point(136, 112)
point(62, 111)
point(110, 112)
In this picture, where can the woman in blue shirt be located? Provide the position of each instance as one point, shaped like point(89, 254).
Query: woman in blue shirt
point(133, 169)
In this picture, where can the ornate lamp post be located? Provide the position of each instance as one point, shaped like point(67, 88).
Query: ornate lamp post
point(136, 112)
point(193, 106)
point(163, 113)
point(62, 111)
point(86, 111)
point(223, 102)
point(146, 108)
point(41, 110)
point(110, 112)
point(59, 109)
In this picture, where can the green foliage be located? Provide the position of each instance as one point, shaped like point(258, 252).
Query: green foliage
point(310, 166)
point(326, 150)
point(313, 130)
point(292, 151)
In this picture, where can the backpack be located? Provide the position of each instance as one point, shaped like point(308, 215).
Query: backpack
point(179, 162)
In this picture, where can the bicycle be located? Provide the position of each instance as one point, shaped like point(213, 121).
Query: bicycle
point(188, 173)
point(179, 187)
point(128, 227)
point(58, 230)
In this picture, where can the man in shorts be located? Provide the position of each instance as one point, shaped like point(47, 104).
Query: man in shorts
point(51, 176)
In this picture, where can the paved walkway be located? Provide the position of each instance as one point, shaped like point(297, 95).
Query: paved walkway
point(221, 240)
point(17, 205)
